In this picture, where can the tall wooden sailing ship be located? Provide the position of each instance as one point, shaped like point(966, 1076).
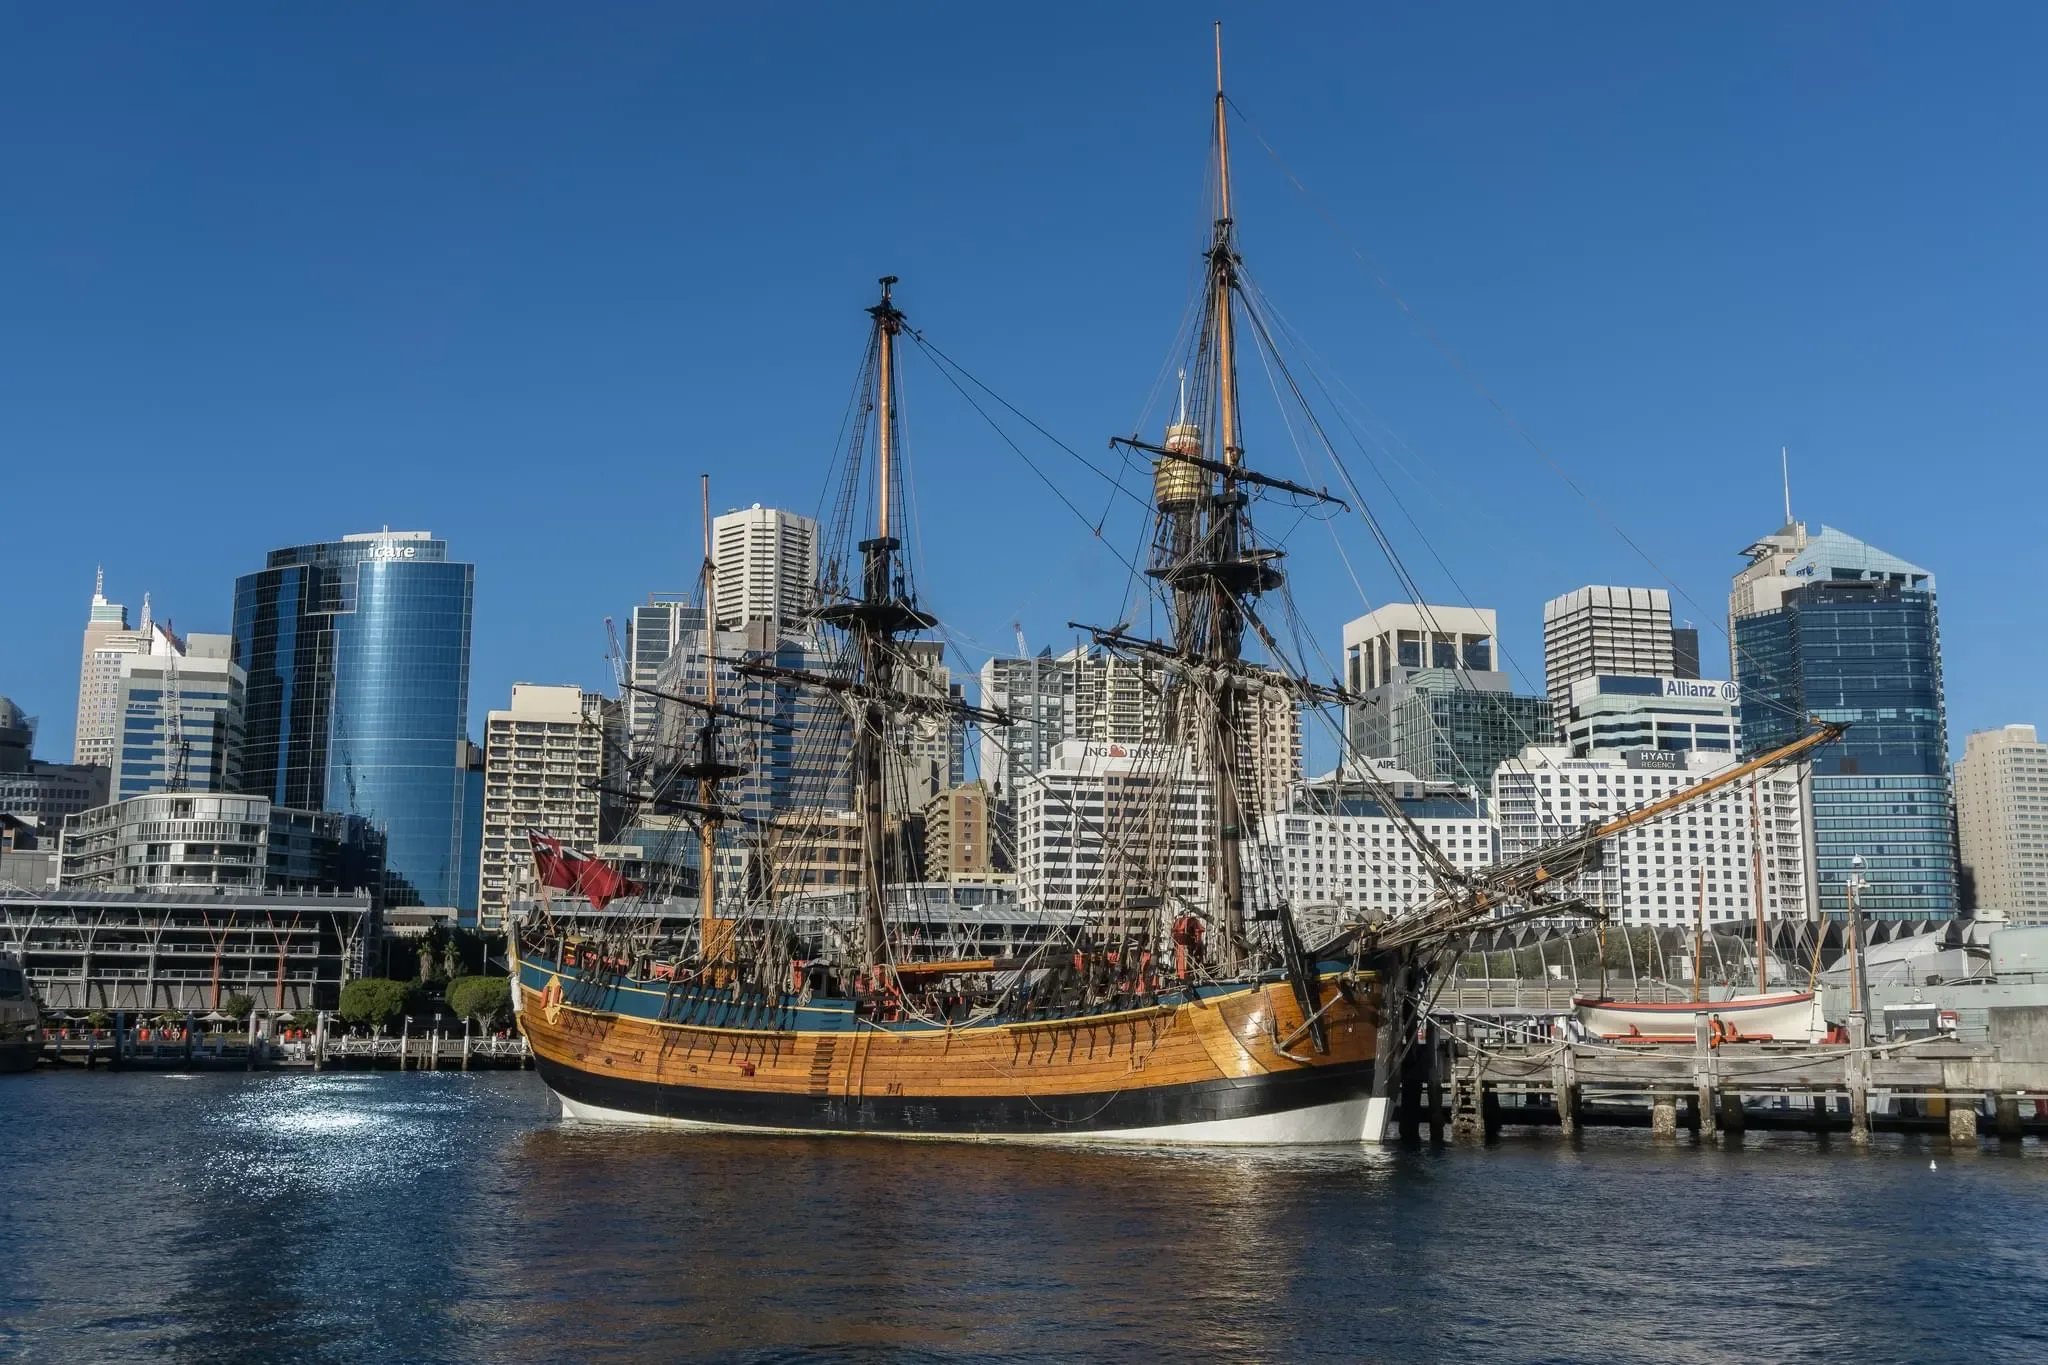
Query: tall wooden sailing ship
point(1158, 1013)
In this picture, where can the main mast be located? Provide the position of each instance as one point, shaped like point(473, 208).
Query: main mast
point(1202, 554)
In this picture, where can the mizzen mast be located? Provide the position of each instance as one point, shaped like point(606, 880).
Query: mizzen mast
point(714, 936)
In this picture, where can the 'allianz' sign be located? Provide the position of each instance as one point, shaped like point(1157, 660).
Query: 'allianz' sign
point(1693, 689)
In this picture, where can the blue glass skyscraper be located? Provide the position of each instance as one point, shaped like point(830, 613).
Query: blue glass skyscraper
point(1825, 625)
point(357, 656)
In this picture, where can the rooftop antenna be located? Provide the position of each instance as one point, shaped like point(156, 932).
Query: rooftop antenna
point(1181, 416)
point(1785, 471)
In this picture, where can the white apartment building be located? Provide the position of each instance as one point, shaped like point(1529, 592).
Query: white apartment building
point(1108, 822)
point(1595, 630)
point(543, 773)
point(2002, 820)
point(766, 563)
point(1103, 698)
point(1339, 855)
point(1661, 872)
point(107, 641)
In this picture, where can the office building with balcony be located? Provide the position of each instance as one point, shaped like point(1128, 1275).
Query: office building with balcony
point(215, 841)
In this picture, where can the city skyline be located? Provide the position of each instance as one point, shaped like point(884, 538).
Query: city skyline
point(1677, 441)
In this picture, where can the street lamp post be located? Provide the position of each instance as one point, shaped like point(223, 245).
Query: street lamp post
point(1859, 966)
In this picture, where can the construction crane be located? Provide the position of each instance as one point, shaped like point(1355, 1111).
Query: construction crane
point(1023, 650)
point(177, 751)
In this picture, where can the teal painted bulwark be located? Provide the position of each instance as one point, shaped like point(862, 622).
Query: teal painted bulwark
point(609, 992)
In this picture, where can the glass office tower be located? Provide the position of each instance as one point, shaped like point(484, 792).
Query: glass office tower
point(357, 655)
point(1855, 637)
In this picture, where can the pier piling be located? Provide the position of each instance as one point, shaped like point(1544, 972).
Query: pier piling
point(2008, 1118)
point(1565, 1083)
point(1733, 1118)
point(1438, 1056)
point(1664, 1118)
point(1703, 1078)
point(1962, 1120)
point(1859, 1081)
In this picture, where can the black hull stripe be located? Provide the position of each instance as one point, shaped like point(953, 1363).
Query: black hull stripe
point(1155, 1106)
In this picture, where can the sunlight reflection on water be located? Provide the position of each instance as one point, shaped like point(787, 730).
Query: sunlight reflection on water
point(348, 1217)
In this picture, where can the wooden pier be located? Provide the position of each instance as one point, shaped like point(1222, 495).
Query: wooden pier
point(196, 1050)
point(431, 1052)
point(1495, 1079)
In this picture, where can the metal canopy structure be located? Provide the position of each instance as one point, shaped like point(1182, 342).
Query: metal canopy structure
point(150, 951)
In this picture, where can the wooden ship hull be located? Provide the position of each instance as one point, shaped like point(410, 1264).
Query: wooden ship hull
point(1228, 1064)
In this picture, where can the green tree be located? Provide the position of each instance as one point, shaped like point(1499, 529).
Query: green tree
point(375, 1000)
point(239, 1008)
point(485, 999)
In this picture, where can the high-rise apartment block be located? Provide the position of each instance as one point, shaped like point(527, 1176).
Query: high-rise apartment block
point(797, 761)
point(766, 562)
point(357, 655)
point(1435, 704)
point(1826, 625)
point(1597, 631)
point(543, 774)
point(653, 632)
point(960, 835)
point(181, 707)
point(1036, 692)
point(108, 640)
point(2002, 820)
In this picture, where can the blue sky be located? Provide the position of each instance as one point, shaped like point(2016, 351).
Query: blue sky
point(518, 274)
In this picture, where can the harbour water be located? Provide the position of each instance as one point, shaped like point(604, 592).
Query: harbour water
point(362, 1216)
